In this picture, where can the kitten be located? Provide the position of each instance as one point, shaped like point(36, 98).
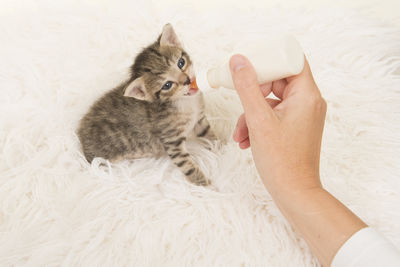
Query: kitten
point(152, 113)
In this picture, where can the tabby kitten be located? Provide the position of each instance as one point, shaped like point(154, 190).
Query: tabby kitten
point(152, 113)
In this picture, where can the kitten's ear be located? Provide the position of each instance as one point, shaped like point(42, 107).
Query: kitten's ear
point(136, 89)
point(168, 37)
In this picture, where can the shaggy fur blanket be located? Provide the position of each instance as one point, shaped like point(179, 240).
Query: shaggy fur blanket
point(58, 57)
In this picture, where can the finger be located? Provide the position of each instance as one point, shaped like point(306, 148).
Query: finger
point(302, 83)
point(266, 88)
point(273, 102)
point(304, 74)
point(241, 131)
point(244, 144)
point(278, 87)
point(246, 84)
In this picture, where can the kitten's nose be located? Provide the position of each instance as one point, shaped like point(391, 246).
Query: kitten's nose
point(187, 82)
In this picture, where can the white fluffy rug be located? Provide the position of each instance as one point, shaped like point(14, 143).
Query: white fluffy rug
point(56, 209)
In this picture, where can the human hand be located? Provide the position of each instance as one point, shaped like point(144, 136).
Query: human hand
point(285, 138)
point(284, 135)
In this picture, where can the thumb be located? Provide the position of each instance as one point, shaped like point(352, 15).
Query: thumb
point(245, 80)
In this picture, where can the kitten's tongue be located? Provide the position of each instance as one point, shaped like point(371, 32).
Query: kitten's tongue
point(193, 87)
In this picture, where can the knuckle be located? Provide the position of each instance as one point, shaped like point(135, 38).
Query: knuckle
point(324, 105)
point(316, 100)
point(313, 99)
point(318, 104)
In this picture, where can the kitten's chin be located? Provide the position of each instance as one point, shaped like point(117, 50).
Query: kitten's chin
point(192, 91)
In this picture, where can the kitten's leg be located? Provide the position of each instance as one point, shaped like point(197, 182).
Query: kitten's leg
point(176, 150)
point(203, 129)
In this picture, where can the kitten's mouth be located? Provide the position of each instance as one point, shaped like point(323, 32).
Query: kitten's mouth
point(193, 88)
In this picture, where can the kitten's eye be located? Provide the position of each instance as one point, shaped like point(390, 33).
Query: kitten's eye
point(167, 85)
point(181, 63)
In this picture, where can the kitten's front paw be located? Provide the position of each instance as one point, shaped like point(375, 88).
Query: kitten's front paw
point(211, 136)
point(205, 182)
point(211, 144)
point(214, 145)
point(208, 146)
point(198, 178)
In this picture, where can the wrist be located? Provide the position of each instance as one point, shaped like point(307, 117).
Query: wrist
point(323, 221)
point(293, 186)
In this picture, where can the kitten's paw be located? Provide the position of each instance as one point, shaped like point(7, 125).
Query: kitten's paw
point(208, 146)
point(211, 145)
point(215, 145)
point(211, 136)
point(206, 182)
point(198, 178)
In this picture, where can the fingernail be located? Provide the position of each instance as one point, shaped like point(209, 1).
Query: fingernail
point(238, 62)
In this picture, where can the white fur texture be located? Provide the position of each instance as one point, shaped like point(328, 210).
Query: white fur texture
point(57, 210)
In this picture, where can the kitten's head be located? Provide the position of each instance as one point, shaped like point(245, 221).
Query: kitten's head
point(162, 71)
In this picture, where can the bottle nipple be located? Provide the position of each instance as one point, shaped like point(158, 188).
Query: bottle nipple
point(193, 87)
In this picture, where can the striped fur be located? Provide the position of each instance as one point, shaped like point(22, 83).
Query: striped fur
point(153, 122)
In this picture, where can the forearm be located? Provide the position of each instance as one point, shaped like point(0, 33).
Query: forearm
point(322, 220)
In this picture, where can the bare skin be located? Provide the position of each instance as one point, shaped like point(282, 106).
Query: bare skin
point(285, 139)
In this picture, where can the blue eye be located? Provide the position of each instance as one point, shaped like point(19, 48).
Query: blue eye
point(167, 85)
point(181, 63)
